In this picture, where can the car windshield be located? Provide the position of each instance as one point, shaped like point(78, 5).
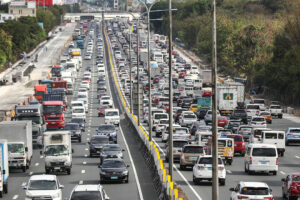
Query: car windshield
point(221, 143)
point(72, 127)
point(112, 113)
point(264, 152)
point(79, 110)
point(86, 195)
point(178, 144)
point(106, 128)
point(189, 116)
point(246, 129)
point(236, 138)
point(113, 164)
point(208, 160)
point(259, 101)
point(100, 140)
point(161, 116)
point(258, 119)
point(294, 130)
point(255, 107)
point(111, 148)
point(42, 185)
point(239, 111)
point(56, 150)
point(36, 120)
point(296, 178)
point(193, 149)
point(255, 191)
point(275, 107)
point(15, 148)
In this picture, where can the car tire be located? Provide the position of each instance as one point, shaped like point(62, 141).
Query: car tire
point(243, 153)
point(287, 143)
point(282, 154)
point(47, 171)
point(1, 194)
point(127, 180)
point(182, 167)
point(274, 173)
point(195, 181)
point(69, 171)
point(5, 188)
point(24, 168)
point(222, 182)
point(246, 170)
point(79, 140)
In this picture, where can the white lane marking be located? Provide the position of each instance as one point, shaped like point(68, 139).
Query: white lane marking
point(89, 130)
point(133, 166)
point(84, 163)
point(86, 149)
point(24, 183)
point(85, 155)
point(228, 171)
point(41, 157)
point(30, 173)
point(15, 196)
point(83, 171)
point(297, 157)
point(88, 134)
point(88, 139)
point(282, 172)
point(37, 164)
point(80, 182)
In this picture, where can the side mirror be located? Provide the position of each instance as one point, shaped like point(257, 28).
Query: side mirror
point(61, 186)
point(123, 149)
point(41, 152)
point(89, 142)
point(128, 166)
point(26, 149)
point(231, 189)
point(283, 179)
point(24, 187)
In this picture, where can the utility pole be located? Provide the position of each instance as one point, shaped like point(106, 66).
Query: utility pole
point(215, 180)
point(138, 68)
point(103, 15)
point(130, 76)
point(149, 79)
point(170, 94)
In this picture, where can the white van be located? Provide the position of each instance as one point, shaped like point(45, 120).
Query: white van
point(256, 134)
point(261, 158)
point(112, 116)
point(274, 137)
point(252, 109)
point(101, 71)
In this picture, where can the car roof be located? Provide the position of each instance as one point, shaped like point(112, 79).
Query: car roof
point(43, 177)
point(253, 184)
point(88, 187)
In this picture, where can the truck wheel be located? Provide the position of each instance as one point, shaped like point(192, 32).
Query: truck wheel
point(282, 154)
point(47, 171)
point(222, 181)
point(24, 168)
point(79, 140)
point(1, 194)
point(69, 171)
point(280, 116)
point(182, 167)
point(5, 188)
point(275, 173)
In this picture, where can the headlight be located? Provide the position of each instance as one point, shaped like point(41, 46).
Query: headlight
point(125, 172)
point(29, 196)
point(55, 195)
point(102, 172)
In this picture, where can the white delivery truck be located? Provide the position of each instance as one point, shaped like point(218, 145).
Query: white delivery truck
point(206, 77)
point(155, 70)
point(227, 99)
point(4, 169)
point(240, 90)
point(143, 55)
point(19, 141)
point(57, 151)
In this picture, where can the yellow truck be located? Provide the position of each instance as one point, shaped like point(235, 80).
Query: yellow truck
point(225, 149)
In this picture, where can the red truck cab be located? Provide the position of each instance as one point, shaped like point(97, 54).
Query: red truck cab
point(239, 144)
point(291, 186)
point(39, 91)
point(54, 114)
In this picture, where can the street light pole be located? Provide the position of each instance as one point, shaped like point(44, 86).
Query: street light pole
point(138, 68)
point(215, 180)
point(130, 67)
point(170, 94)
point(149, 77)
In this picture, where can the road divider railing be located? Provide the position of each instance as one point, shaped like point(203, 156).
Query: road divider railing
point(165, 188)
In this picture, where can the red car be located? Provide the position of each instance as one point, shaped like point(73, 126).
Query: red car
point(101, 110)
point(222, 121)
point(206, 93)
point(156, 80)
point(239, 144)
point(291, 186)
point(181, 75)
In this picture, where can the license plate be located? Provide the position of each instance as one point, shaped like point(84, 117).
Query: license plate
point(209, 168)
point(56, 168)
point(193, 157)
point(114, 177)
point(296, 136)
point(52, 122)
point(263, 162)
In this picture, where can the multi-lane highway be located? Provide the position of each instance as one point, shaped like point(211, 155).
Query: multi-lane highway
point(85, 169)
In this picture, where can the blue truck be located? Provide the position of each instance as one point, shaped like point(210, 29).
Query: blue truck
point(80, 43)
point(4, 169)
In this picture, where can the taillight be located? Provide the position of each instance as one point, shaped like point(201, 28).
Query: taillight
point(200, 167)
point(182, 155)
point(221, 168)
point(242, 197)
point(268, 198)
point(250, 161)
point(276, 161)
point(247, 110)
point(194, 127)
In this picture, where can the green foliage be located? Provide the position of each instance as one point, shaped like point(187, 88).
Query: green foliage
point(24, 34)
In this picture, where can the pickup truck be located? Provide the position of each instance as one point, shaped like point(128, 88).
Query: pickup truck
point(276, 110)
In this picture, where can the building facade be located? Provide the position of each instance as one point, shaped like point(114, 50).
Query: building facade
point(22, 8)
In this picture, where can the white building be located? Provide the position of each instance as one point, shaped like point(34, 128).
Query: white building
point(5, 16)
point(22, 8)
